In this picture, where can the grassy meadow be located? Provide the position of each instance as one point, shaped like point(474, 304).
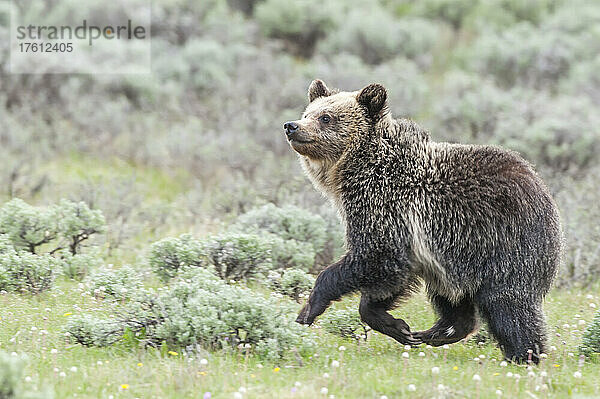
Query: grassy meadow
point(373, 368)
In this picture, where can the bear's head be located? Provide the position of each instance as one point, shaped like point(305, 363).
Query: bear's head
point(333, 120)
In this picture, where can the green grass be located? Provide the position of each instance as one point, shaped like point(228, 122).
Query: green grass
point(367, 370)
point(152, 183)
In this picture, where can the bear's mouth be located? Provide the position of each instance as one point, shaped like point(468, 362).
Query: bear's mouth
point(299, 141)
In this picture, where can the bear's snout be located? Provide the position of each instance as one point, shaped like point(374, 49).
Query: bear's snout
point(290, 128)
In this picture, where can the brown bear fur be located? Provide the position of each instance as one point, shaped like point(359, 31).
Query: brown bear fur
point(475, 223)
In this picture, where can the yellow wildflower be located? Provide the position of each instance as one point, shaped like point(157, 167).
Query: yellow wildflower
point(67, 314)
point(276, 370)
point(172, 353)
point(124, 386)
point(139, 364)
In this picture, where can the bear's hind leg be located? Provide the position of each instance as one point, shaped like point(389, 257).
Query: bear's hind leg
point(518, 326)
point(375, 314)
point(456, 321)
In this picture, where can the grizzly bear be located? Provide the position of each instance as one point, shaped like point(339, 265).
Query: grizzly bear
point(474, 222)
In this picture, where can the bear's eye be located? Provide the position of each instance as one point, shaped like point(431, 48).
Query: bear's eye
point(325, 118)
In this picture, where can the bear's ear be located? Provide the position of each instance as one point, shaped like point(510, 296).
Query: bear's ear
point(374, 98)
point(317, 89)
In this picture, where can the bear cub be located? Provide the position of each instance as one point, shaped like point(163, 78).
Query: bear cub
point(475, 223)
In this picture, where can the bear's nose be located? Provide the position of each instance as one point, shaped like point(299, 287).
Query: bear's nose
point(290, 127)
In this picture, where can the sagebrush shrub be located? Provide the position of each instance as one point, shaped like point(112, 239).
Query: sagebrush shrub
point(291, 253)
point(289, 222)
point(297, 23)
point(295, 283)
point(377, 36)
point(577, 198)
point(557, 132)
point(199, 308)
point(22, 271)
point(119, 283)
point(88, 330)
point(238, 256)
point(78, 266)
point(345, 323)
point(28, 226)
point(302, 240)
point(591, 338)
point(168, 255)
point(69, 223)
point(77, 222)
point(523, 55)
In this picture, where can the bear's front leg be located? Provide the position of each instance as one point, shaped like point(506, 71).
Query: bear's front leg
point(335, 281)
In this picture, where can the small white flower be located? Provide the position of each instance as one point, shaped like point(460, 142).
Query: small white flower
point(325, 375)
point(260, 366)
point(383, 397)
point(421, 354)
point(482, 356)
point(498, 392)
point(577, 374)
point(435, 370)
point(592, 305)
point(446, 346)
point(406, 347)
point(543, 355)
point(476, 377)
point(56, 369)
point(543, 374)
point(242, 390)
point(54, 351)
point(441, 387)
point(62, 374)
point(429, 347)
point(342, 348)
point(28, 379)
point(582, 322)
point(589, 296)
point(324, 391)
point(503, 363)
point(517, 376)
point(99, 363)
point(412, 387)
point(553, 348)
point(237, 395)
point(531, 374)
point(204, 362)
point(73, 369)
point(297, 384)
point(335, 363)
point(405, 355)
point(509, 374)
